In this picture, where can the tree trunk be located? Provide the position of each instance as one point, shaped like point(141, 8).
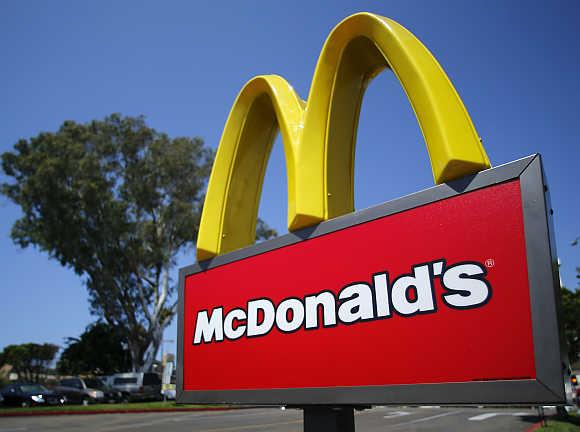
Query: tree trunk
point(135, 357)
point(157, 322)
point(153, 348)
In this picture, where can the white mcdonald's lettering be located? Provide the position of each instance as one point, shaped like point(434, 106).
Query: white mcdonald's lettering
point(464, 283)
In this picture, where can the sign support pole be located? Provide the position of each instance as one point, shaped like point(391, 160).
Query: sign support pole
point(329, 419)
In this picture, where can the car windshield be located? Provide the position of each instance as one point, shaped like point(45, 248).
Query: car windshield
point(125, 380)
point(33, 388)
point(94, 383)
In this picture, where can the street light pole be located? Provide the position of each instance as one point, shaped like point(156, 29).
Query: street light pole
point(164, 364)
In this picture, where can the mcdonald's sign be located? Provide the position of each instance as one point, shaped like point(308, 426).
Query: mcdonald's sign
point(447, 295)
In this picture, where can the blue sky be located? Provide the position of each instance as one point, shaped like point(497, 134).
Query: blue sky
point(181, 64)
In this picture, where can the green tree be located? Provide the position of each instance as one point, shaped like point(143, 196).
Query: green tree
point(100, 350)
point(263, 231)
point(116, 201)
point(571, 319)
point(31, 361)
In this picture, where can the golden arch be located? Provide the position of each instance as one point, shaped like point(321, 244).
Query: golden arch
point(319, 136)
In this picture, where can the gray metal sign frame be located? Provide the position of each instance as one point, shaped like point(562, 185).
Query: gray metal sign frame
point(549, 347)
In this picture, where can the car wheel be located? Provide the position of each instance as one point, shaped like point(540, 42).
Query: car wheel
point(85, 401)
point(25, 404)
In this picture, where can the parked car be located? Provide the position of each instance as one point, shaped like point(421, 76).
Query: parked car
point(26, 395)
point(106, 379)
point(138, 385)
point(87, 390)
point(110, 394)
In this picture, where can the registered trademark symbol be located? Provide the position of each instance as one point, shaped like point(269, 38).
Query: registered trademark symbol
point(489, 263)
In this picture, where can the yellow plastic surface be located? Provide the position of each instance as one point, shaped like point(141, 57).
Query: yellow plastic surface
point(319, 137)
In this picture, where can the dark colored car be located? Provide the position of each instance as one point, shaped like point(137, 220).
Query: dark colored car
point(26, 395)
point(138, 385)
point(87, 390)
point(109, 393)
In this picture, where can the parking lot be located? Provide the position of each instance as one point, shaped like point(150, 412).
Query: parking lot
point(278, 420)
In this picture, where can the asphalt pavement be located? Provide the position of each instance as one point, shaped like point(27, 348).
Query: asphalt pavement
point(278, 420)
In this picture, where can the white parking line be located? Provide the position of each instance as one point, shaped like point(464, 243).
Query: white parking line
point(151, 422)
point(424, 419)
point(228, 414)
point(482, 417)
point(486, 416)
point(251, 427)
point(396, 414)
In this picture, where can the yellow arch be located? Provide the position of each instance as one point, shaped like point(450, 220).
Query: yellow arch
point(319, 136)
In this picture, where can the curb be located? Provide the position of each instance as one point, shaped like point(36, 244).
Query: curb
point(534, 427)
point(114, 411)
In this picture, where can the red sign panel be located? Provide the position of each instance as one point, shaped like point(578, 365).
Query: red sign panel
point(438, 293)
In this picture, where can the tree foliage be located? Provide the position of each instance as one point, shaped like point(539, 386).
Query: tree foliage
point(116, 201)
point(100, 350)
point(571, 318)
point(31, 361)
point(263, 231)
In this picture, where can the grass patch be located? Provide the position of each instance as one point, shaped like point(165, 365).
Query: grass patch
point(136, 406)
point(560, 424)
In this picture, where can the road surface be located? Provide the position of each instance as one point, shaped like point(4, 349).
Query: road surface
point(278, 420)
